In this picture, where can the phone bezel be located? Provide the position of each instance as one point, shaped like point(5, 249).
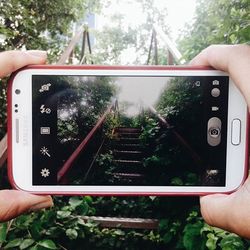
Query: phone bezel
point(236, 169)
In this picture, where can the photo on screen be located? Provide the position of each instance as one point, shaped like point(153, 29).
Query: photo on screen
point(127, 130)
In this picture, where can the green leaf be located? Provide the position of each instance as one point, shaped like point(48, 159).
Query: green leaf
point(24, 221)
point(176, 181)
point(3, 232)
point(88, 199)
point(26, 243)
point(83, 208)
point(206, 228)
point(71, 233)
point(119, 232)
point(211, 242)
point(63, 214)
point(163, 224)
point(35, 230)
point(49, 244)
point(230, 242)
point(36, 247)
point(167, 237)
point(14, 243)
point(75, 201)
point(192, 238)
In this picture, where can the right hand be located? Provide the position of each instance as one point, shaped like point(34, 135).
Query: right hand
point(229, 211)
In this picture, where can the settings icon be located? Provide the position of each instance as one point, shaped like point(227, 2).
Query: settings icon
point(45, 172)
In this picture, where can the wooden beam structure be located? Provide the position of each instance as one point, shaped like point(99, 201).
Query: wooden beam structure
point(3, 150)
point(120, 222)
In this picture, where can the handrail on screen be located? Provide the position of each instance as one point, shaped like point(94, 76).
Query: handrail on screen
point(67, 54)
point(181, 140)
point(83, 145)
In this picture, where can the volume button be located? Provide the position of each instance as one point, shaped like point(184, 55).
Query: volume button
point(17, 130)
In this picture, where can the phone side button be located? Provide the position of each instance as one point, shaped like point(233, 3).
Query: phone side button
point(236, 132)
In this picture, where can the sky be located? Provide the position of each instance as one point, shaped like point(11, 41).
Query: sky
point(179, 13)
point(130, 91)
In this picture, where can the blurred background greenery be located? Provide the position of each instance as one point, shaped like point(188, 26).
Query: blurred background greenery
point(120, 34)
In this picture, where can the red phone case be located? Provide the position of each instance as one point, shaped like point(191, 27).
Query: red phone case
point(102, 67)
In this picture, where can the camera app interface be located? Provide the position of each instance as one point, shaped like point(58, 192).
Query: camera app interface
point(129, 130)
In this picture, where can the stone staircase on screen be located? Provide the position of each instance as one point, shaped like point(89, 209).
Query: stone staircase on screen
point(128, 155)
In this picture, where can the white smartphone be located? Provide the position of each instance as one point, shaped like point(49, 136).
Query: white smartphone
point(106, 130)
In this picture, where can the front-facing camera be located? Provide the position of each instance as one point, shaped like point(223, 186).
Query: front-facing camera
point(17, 91)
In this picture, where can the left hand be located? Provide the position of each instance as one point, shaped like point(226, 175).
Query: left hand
point(14, 202)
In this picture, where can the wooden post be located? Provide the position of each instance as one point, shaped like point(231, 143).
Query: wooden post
point(155, 48)
point(3, 150)
point(170, 58)
point(150, 47)
point(65, 55)
point(83, 47)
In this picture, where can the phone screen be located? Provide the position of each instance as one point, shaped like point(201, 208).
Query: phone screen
point(129, 130)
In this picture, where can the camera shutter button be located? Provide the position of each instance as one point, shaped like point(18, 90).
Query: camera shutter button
point(214, 131)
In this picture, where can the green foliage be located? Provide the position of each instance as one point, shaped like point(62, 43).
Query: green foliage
point(150, 128)
point(216, 22)
point(105, 159)
point(63, 227)
point(45, 25)
point(84, 104)
point(112, 42)
point(120, 38)
point(218, 237)
point(3, 107)
point(3, 232)
point(111, 122)
point(40, 24)
point(105, 168)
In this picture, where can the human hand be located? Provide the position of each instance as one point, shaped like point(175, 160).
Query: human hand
point(229, 212)
point(14, 202)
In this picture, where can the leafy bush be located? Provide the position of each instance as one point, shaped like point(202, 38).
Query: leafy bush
point(63, 227)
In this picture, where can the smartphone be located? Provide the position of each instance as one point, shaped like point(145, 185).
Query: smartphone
point(113, 130)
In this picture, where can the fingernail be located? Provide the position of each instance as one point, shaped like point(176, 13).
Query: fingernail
point(46, 204)
point(37, 53)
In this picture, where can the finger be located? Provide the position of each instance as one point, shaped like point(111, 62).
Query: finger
point(234, 59)
point(215, 56)
point(14, 203)
point(214, 210)
point(11, 61)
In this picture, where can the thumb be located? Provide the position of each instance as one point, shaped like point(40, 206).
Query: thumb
point(14, 203)
point(229, 212)
point(10, 61)
point(215, 208)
